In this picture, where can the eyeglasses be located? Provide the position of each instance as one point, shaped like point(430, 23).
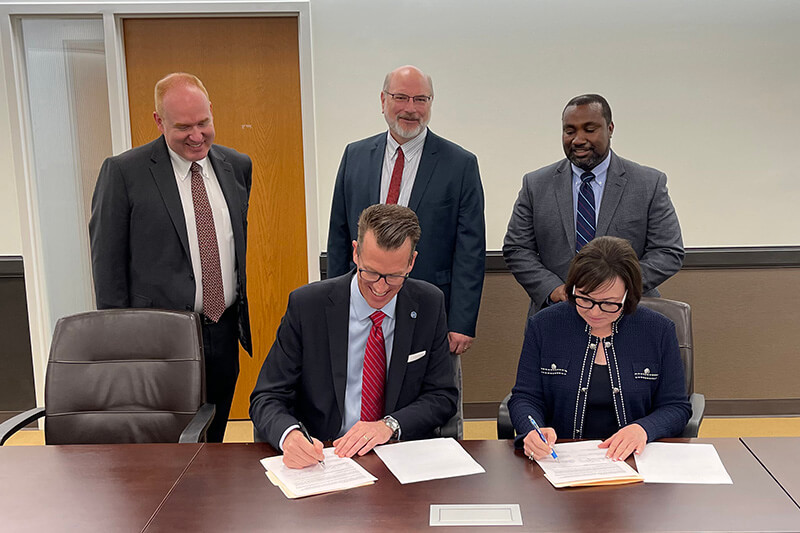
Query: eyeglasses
point(393, 280)
point(420, 99)
point(606, 307)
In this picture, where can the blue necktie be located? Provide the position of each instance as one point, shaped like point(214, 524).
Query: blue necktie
point(586, 219)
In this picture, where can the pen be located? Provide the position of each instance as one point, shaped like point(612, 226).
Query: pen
point(541, 435)
point(307, 435)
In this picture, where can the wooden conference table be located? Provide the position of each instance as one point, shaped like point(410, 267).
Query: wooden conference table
point(781, 457)
point(222, 487)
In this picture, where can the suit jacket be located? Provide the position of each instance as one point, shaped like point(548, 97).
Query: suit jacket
point(140, 248)
point(448, 200)
point(540, 241)
point(305, 373)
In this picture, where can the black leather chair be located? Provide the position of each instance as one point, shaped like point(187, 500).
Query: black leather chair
point(123, 376)
point(681, 314)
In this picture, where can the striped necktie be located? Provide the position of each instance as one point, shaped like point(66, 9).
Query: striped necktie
point(586, 219)
point(374, 371)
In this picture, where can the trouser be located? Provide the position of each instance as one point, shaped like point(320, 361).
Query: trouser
point(221, 351)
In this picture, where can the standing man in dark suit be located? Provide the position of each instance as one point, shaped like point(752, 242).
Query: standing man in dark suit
point(360, 358)
point(169, 230)
point(410, 165)
point(592, 192)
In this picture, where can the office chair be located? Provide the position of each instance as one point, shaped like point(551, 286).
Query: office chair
point(681, 314)
point(123, 376)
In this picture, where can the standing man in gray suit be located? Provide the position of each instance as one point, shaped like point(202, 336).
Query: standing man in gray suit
point(169, 231)
point(593, 192)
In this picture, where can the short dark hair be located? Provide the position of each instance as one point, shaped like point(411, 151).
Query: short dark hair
point(600, 261)
point(586, 99)
point(391, 224)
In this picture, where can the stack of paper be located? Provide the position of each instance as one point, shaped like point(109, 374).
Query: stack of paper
point(582, 464)
point(421, 460)
point(674, 462)
point(339, 473)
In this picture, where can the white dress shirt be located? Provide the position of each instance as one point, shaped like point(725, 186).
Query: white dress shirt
point(222, 225)
point(412, 151)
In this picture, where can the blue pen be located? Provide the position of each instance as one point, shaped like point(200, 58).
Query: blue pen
point(541, 435)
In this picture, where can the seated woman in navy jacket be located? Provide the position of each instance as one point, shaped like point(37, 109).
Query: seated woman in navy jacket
point(598, 366)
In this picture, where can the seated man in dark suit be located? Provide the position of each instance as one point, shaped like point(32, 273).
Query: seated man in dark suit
point(361, 358)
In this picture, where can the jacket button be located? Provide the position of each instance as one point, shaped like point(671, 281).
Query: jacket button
point(592, 346)
point(191, 276)
point(584, 389)
point(553, 366)
point(616, 390)
point(646, 370)
point(188, 307)
point(608, 344)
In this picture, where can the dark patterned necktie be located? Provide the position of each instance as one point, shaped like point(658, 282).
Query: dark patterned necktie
point(397, 177)
point(213, 292)
point(585, 220)
point(374, 371)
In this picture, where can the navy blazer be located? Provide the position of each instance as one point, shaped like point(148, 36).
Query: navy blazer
point(644, 363)
point(448, 200)
point(140, 248)
point(305, 374)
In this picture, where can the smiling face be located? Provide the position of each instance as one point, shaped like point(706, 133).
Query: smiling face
point(600, 321)
point(408, 119)
point(372, 257)
point(186, 122)
point(586, 135)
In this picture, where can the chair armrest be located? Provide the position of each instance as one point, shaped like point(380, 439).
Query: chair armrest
point(15, 423)
point(698, 402)
point(195, 431)
point(450, 429)
point(505, 429)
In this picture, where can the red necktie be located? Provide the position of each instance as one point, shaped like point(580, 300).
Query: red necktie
point(374, 371)
point(397, 177)
point(213, 293)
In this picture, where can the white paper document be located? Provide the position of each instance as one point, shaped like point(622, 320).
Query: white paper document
point(339, 473)
point(421, 460)
point(505, 514)
point(672, 462)
point(583, 463)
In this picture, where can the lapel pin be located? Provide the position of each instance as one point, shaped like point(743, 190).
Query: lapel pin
point(413, 314)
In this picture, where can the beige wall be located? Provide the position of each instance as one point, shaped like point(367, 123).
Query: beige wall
point(744, 322)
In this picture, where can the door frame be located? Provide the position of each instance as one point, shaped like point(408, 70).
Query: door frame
point(112, 15)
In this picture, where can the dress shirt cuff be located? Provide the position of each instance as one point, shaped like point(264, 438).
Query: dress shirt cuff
point(285, 433)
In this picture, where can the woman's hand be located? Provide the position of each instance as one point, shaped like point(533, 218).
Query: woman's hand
point(631, 438)
point(534, 446)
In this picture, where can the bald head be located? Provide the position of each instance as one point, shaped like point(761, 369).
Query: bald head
point(406, 102)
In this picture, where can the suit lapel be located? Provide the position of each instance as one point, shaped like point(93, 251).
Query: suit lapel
point(337, 313)
point(430, 156)
point(227, 182)
point(563, 190)
point(612, 193)
point(376, 169)
point(403, 334)
point(164, 176)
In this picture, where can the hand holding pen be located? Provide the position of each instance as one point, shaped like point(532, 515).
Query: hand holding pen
point(307, 435)
point(534, 442)
point(297, 453)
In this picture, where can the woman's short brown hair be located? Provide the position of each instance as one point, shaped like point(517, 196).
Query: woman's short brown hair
point(600, 261)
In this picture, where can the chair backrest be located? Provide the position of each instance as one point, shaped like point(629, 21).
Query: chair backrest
point(123, 376)
point(681, 314)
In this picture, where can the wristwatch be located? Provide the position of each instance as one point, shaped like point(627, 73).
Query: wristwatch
point(394, 425)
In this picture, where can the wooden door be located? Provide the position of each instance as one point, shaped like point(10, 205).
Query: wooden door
point(250, 66)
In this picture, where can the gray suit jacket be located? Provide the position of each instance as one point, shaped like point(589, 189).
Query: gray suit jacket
point(140, 248)
point(305, 374)
point(540, 241)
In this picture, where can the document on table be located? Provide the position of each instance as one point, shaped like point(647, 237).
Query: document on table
point(339, 473)
point(582, 464)
point(422, 460)
point(672, 462)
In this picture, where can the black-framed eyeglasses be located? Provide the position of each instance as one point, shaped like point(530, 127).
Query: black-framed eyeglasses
point(393, 280)
point(607, 307)
point(420, 99)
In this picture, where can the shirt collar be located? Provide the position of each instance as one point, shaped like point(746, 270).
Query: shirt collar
point(411, 148)
point(182, 166)
point(599, 171)
point(360, 305)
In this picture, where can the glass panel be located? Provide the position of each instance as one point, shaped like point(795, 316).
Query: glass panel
point(70, 129)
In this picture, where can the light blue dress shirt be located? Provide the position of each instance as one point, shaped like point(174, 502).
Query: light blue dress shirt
point(358, 331)
point(598, 186)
